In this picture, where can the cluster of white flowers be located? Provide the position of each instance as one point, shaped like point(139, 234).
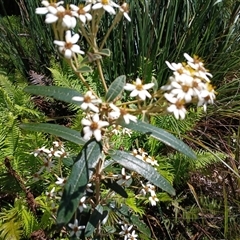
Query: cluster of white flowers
point(190, 82)
point(100, 115)
point(47, 157)
point(66, 19)
point(127, 234)
point(141, 154)
point(149, 189)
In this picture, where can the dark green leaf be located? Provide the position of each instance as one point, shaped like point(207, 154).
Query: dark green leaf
point(161, 135)
point(94, 219)
point(105, 52)
point(59, 93)
point(75, 187)
point(116, 88)
point(58, 130)
point(84, 69)
point(147, 171)
point(115, 187)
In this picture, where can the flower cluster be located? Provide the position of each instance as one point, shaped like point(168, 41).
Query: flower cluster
point(102, 114)
point(190, 82)
point(141, 154)
point(48, 157)
point(66, 19)
point(149, 189)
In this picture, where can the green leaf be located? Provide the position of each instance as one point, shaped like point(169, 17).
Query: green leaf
point(94, 219)
point(116, 88)
point(147, 171)
point(58, 130)
point(115, 187)
point(75, 186)
point(161, 135)
point(84, 69)
point(105, 52)
point(59, 93)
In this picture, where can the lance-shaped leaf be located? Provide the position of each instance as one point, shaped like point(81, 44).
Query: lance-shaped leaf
point(147, 171)
point(105, 52)
point(95, 218)
point(116, 88)
point(59, 93)
point(85, 69)
point(57, 130)
point(75, 186)
point(161, 135)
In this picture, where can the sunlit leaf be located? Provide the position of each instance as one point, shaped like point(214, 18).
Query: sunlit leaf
point(116, 88)
point(59, 93)
point(161, 135)
point(147, 171)
point(75, 186)
point(57, 130)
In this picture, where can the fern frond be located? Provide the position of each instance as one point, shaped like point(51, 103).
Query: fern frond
point(10, 230)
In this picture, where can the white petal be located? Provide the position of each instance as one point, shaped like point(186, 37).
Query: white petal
point(78, 99)
point(50, 18)
point(68, 53)
point(97, 6)
point(95, 118)
point(142, 95)
point(74, 7)
point(134, 93)
point(59, 43)
point(87, 8)
point(82, 18)
point(75, 48)
point(87, 134)
point(74, 38)
point(129, 87)
point(190, 59)
point(68, 36)
point(86, 122)
point(97, 134)
point(148, 86)
point(41, 10)
point(109, 9)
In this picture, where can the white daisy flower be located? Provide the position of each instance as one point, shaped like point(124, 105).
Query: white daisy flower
point(132, 236)
point(89, 101)
point(177, 107)
point(69, 48)
point(76, 230)
point(51, 194)
point(48, 7)
point(138, 89)
point(107, 5)
point(40, 151)
point(60, 181)
point(123, 177)
point(125, 230)
point(48, 165)
point(93, 127)
point(82, 12)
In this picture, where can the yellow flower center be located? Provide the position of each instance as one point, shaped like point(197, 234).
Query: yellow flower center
point(139, 87)
point(105, 2)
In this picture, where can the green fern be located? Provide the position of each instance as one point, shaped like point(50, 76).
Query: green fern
point(17, 222)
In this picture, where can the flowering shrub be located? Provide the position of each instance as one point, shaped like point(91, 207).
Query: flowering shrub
point(86, 201)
